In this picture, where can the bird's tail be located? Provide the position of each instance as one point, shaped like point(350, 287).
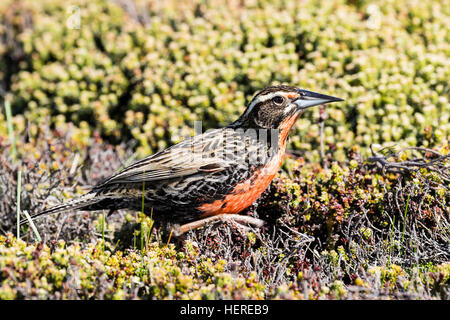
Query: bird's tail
point(82, 202)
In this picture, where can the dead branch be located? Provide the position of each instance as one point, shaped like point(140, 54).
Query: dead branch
point(389, 162)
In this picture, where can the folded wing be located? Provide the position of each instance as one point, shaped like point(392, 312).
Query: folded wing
point(191, 156)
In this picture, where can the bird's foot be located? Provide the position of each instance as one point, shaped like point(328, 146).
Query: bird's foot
point(242, 223)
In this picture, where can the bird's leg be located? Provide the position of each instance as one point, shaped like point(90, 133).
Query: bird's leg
point(235, 219)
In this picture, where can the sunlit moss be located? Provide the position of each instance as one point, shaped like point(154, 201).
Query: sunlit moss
point(207, 69)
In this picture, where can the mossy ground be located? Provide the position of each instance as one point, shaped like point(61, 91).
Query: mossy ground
point(147, 71)
point(347, 232)
point(133, 78)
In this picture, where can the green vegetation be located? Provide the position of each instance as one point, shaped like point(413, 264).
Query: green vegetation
point(354, 225)
point(149, 73)
point(337, 233)
point(167, 272)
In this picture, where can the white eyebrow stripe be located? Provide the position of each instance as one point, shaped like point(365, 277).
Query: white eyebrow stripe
point(259, 99)
point(287, 95)
point(266, 97)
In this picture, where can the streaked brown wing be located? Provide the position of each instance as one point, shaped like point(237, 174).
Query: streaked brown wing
point(188, 157)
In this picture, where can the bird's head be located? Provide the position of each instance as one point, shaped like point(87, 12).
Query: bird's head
point(277, 107)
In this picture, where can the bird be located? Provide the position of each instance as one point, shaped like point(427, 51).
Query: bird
point(208, 177)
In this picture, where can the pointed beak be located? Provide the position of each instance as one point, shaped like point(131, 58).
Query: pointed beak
point(310, 99)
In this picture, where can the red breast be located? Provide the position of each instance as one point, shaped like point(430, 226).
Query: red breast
point(246, 192)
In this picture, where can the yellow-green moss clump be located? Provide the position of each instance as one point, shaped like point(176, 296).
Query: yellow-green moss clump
point(149, 73)
point(346, 231)
point(72, 271)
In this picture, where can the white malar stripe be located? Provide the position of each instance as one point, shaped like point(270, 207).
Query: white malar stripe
point(290, 108)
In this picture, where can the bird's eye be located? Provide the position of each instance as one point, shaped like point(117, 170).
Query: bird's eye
point(278, 99)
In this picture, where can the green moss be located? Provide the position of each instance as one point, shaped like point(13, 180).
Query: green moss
point(182, 67)
point(119, 78)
